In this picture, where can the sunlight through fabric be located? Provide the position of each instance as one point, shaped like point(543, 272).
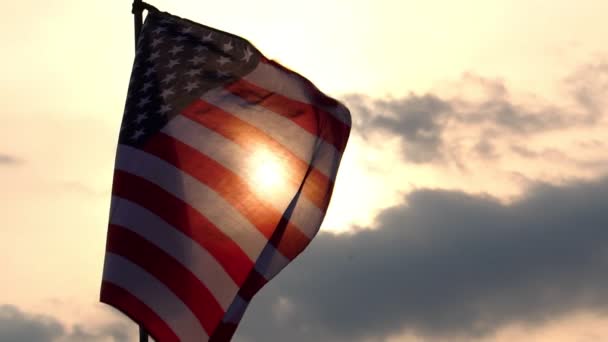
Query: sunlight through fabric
point(269, 172)
point(224, 169)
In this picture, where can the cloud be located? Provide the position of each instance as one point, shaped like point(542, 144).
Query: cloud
point(115, 332)
point(484, 110)
point(589, 85)
point(18, 326)
point(445, 265)
point(6, 159)
point(418, 120)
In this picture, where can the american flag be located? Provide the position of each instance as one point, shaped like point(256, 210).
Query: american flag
point(224, 170)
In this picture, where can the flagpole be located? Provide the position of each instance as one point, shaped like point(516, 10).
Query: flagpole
point(137, 11)
point(143, 334)
point(137, 16)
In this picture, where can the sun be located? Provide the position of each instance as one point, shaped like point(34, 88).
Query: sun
point(268, 171)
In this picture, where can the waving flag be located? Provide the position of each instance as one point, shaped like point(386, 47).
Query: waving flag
point(224, 170)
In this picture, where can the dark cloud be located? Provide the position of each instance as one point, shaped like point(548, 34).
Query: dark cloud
point(447, 265)
point(510, 117)
point(18, 326)
point(418, 120)
point(6, 159)
point(421, 121)
point(557, 157)
point(117, 332)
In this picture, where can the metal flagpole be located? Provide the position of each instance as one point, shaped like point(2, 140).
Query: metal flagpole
point(137, 16)
point(137, 11)
point(143, 334)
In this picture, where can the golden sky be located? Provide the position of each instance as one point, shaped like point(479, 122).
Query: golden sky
point(65, 67)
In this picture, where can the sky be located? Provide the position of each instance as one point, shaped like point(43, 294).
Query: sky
point(470, 202)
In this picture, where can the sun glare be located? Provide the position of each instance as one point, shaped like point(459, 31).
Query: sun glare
point(268, 171)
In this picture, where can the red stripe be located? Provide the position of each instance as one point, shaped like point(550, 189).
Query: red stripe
point(255, 281)
point(314, 120)
point(251, 139)
point(169, 271)
point(186, 219)
point(231, 187)
point(244, 134)
point(138, 311)
point(319, 187)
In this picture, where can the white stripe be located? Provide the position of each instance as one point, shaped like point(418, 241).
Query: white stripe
point(236, 311)
point(225, 152)
point(187, 252)
point(270, 262)
point(198, 195)
point(235, 158)
point(307, 220)
point(286, 132)
point(292, 86)
point(160, 299)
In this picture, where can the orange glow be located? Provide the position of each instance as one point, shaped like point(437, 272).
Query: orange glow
point(268, 172)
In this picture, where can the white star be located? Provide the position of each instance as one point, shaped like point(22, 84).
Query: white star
point(166, 21)
point(193, 72)
point(196, 60)
point(222, 74)
point(140, 117)
point(187, 30)
point(200, 48)
point(176, 49)
point(156, 42)
point(138, 133)
point(207, 38)
point(165, 108)
point(223, 60)
point(147, 85)
point(227, 47)
point(149, 71)
point(144, 101)
point(153, 56)
point(140, 39)
point(247, 55)
point(191, 86)
point(166, 93)
point(170, 77)
point(159, 30)
point(172, 63)
point(179, 38)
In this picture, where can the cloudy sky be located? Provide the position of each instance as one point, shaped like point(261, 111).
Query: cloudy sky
point(471, 201)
